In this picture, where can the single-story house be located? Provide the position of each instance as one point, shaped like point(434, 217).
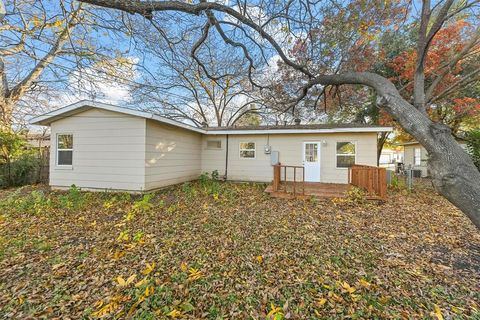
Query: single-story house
point(416, 156)
point(390, 156)
point(101, 146)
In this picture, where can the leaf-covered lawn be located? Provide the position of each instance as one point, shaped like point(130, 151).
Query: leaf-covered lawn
point(228, 251)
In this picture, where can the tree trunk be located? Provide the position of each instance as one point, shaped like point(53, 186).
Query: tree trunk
point(453, 173)
point(6, 115)
point(380, 143)
point(452, 170)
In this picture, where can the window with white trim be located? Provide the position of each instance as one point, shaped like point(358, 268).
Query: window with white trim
point(247, 150)
point(64, 149)
point(345, 155)
point(417, 157)
point(214, 144)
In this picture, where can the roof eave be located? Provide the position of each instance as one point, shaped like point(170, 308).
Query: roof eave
point(287, 131)
point(48, 118)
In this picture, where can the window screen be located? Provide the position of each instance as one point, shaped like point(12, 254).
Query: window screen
point(64, 149)
point(247, 150)
point(345, 154)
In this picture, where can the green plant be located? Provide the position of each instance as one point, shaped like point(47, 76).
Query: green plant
point(204, 179)
point(473, 146)
point(211, 184)
point(35, 202)
point(144, 204)
point(189, 191)
point(19, 164)
point(73, 200)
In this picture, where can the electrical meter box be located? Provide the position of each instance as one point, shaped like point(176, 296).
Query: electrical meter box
point(274, 158)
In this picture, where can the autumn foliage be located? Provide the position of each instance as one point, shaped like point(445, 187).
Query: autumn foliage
point(451, 107)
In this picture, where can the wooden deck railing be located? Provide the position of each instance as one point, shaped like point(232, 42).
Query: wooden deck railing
point(298, 186)
point(372, 179)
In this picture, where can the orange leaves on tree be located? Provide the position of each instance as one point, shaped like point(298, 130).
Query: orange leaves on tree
point(466, 106)
point(448, 42)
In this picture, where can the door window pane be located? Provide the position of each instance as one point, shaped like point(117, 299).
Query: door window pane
point(311, 152)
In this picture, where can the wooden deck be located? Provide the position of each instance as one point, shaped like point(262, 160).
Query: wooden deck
point(315, 189)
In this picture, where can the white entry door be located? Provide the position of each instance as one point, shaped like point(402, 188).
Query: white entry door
point(311, 161)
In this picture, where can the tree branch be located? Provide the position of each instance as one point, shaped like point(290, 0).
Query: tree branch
point(17, 91)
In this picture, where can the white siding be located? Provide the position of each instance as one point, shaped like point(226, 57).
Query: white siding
point(290, 147)
point(108, 151)
point(409, 155)
point(173, 155)
point(123, 152)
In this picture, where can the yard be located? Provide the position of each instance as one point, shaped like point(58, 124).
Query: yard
point(228, 251)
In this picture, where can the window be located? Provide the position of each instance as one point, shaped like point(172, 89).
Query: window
point(311, 152)
point(345, 154)
point(214, 144)
point(417, 157)
point(64, 149)
point(247, 150)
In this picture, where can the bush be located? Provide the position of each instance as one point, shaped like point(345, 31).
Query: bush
point(18, 164)
point(473, 146)
point(35, 202)
point(73, 200)
point(210, 183)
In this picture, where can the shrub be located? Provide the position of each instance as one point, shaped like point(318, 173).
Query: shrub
point(210, 183)
point(18, 164)
point(73, 200)
point(35, 202)
point(473, 146)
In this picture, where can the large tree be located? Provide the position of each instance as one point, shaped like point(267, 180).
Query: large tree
point(32, 37)
point(453, 172)
point(178, 87)
point(45, 46)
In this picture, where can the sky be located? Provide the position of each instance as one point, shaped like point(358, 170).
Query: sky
point(85, 78)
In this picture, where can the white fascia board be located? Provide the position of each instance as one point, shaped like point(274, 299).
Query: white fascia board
point(52, 115)
point(293, 131)
point(44, 119)
point(177, 124)
point(49, 117)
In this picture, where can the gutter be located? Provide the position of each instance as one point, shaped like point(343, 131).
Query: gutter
point(226, 159)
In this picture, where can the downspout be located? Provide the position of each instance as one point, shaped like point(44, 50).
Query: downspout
point(226, 159)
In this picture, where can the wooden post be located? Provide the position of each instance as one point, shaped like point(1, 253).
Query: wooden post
point(276, 177)
point(294, 181)
point(303, 180)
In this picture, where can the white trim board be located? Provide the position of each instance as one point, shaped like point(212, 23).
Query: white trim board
point(47, 118)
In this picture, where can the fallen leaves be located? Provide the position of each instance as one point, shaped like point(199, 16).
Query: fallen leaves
point(348, 288)
point(437, 312)
point(122, 283)
point(194, 274)
point(186, 252)
point(148, 268)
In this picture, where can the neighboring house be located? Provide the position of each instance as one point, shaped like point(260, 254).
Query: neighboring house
point(100, 146)
point(416, 157)
point(391, 156)
point(38, 140)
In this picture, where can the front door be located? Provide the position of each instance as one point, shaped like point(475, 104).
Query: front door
point(311, 161)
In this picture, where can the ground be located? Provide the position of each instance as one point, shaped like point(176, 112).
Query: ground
point(228, 251)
